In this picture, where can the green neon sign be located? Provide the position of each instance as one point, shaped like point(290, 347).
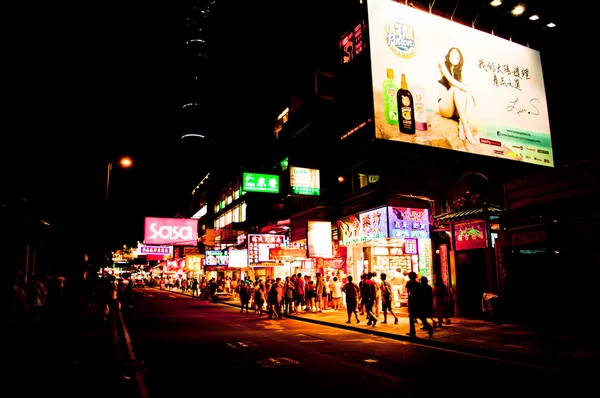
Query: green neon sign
point(255, 182)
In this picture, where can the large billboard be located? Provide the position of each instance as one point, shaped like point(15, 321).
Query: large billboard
point(171, 231)
point(442, 84)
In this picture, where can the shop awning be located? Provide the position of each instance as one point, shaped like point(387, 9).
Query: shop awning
point(484, 210)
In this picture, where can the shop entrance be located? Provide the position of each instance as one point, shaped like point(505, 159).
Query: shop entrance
point(471, 282)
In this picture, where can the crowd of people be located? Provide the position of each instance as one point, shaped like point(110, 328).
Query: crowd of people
point(372, 297)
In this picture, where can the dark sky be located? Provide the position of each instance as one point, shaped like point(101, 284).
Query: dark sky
point(98, 81)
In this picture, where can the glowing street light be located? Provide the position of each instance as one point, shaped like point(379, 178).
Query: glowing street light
point(124, 162)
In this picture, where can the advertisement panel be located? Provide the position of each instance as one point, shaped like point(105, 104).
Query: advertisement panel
point(171, 231)
point(318, 236)
point(305, 181)
point(363, 227)
point(256, 182)
point(442, 84)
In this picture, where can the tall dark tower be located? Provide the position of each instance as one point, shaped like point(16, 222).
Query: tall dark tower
point(196, 64)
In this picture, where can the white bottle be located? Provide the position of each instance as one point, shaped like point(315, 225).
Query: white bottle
point(420, 108)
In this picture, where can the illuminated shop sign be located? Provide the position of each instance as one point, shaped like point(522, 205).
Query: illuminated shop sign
point(410, 246)
point(162, 250)
point(421, 64)
point(255, 182)
point(217, 257)
point(353, 42)
point(171, 231)
point(238, 257)
point(318, 236)
point(470, 235)
point(305, 181)
point(406, 222)
point(259, 245)
point(385, 222)
point(363, 227)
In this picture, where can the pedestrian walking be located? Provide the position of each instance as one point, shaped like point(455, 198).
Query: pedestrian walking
point(352, 292)
point(415, 305)
point(387, 298)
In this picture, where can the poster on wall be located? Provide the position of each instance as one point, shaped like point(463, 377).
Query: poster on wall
point(470, 235)
point(443, 84)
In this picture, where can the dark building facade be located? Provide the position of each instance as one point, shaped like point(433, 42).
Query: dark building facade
point(437, 211)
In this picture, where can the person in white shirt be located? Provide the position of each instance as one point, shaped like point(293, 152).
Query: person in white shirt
point(335, 285)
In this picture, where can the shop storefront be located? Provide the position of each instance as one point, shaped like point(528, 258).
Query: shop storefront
point(388, 239)
point(466, 257)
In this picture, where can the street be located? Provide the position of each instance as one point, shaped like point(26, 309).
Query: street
point(179, 345)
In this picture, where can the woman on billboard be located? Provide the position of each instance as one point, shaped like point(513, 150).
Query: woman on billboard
point(454, 94)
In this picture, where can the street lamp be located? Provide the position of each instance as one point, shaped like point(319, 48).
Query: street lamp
point(124, 162)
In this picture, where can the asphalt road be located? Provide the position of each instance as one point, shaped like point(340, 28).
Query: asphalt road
point(178, 345)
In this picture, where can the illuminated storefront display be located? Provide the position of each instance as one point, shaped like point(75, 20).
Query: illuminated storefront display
point(390, 239)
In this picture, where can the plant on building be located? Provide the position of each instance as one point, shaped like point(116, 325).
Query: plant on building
point(467, 201)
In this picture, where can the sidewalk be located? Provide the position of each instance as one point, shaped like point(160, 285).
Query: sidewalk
point(571, 353)
point(73, 353)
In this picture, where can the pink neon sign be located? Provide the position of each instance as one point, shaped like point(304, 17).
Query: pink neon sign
point(171, 231)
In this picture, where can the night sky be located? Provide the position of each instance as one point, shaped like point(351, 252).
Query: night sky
point(90, 84)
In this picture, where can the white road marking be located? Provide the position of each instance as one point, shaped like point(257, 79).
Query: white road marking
point(515, 346)
point(475, 340)
point(274, 362)
point(366, 341)
point(312, 341)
